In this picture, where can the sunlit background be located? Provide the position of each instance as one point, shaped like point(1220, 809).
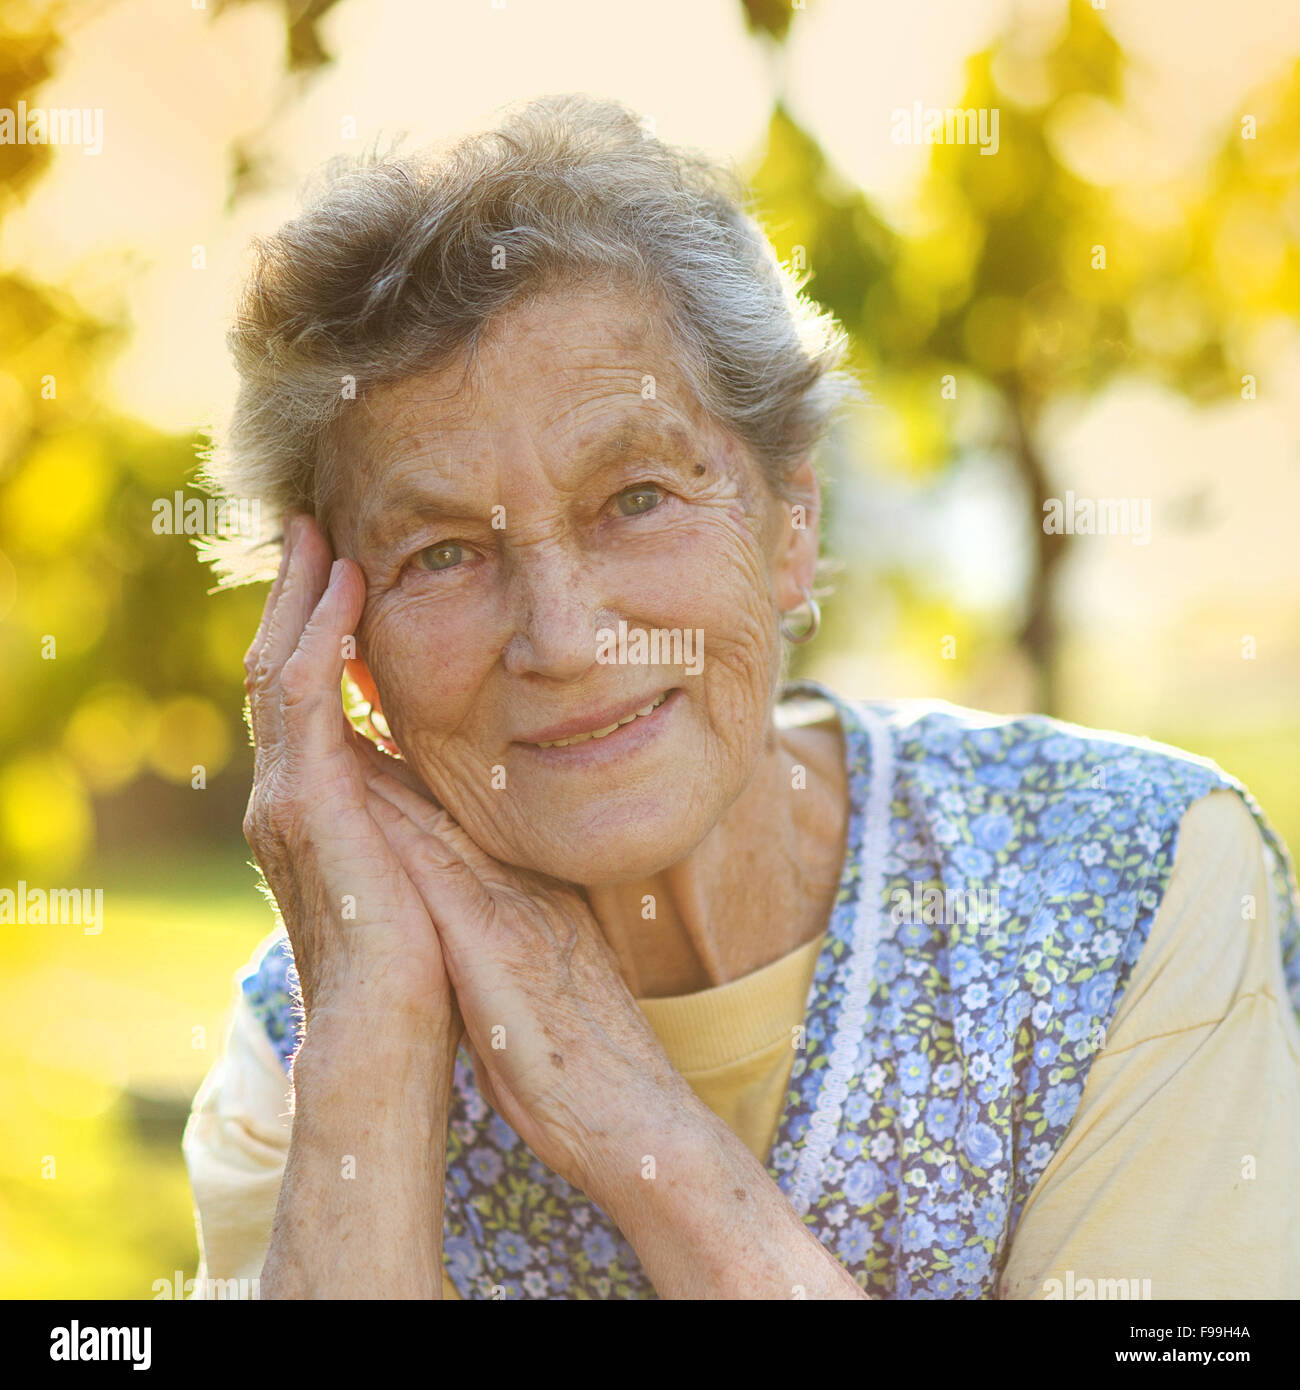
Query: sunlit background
point(1106, 306)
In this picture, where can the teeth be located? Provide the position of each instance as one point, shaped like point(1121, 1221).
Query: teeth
point(609, 729)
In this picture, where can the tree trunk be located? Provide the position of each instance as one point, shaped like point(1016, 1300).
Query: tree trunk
point(1039, 633)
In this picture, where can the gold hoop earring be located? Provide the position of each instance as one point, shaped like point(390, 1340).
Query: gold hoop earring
point(797, 639)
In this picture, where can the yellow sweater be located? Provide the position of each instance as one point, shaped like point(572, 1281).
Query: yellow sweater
point(1179, 1167)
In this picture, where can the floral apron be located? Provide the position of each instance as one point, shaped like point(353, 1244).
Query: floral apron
point(943, 1059)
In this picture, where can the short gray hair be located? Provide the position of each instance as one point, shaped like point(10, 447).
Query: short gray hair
point(398, 263)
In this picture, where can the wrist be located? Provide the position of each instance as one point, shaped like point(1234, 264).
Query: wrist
point(357, 1061)
point(360, 1208)
point(635, 1150)
point(707, 1221)
point(359, 1022)
point(402, 993)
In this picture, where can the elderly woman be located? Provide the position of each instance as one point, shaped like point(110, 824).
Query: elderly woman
point(611, 966)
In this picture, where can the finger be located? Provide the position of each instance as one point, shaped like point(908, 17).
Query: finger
point(482, 1077)
point(277, 586)
point(452, 893)
point(423, 852)
point(253, 655)
point(377, 765)
point(311, 701)
point(306, 576)
point(431, 819)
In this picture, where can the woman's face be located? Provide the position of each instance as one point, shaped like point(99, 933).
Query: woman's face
point(506, 519)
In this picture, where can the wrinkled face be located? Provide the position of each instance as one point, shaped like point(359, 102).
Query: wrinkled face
point(508, 522)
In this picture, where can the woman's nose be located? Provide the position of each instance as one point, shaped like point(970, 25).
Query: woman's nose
point(555, 617)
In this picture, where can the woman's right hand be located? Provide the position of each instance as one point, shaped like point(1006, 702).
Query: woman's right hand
point(365, 948)
point(372, 1080)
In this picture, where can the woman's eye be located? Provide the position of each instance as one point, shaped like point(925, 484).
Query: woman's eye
point(441, 557)
point(638, 500)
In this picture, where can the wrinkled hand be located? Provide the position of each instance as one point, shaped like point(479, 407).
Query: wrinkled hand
point(561, 1051)
point(398, 919)
point(363, 942)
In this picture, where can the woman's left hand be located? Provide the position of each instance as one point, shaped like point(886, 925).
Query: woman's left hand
point(561, 1051)
point(564, 1055)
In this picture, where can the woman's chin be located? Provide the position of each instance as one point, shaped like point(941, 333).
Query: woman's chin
point(605, 854)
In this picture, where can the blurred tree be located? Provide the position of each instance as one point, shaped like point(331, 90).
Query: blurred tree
point(992, 281)
point(304, 49)
point(116, 690)
point(1036, 271)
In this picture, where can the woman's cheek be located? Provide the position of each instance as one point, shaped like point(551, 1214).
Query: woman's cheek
point(718, 582)
point(700, 573)
point(731, 594)
point(428, 663)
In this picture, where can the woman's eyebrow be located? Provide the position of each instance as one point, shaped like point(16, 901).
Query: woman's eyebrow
point(610, 447)
point(384, 521)
point(613, 445)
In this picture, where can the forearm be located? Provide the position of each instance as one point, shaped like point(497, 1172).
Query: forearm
point(360, 1211)
point(712, 1224)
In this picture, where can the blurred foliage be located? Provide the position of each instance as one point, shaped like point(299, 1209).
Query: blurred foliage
point(770, 18)
point(27, 54)
point(122, 678)
point(995, 279)
point(304, 48)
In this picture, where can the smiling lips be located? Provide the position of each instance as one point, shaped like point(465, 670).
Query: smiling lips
point(584, 736)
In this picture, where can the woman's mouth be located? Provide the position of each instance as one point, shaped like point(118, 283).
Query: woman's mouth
point(626, 732)
point(644, 713)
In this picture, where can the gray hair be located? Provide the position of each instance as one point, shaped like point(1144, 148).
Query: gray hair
point(398, 263)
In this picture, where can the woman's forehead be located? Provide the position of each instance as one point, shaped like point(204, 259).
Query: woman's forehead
point(569, 433)
point(551, 371)
point(570, 316)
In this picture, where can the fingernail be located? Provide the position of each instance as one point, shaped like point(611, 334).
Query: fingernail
point(336, 569)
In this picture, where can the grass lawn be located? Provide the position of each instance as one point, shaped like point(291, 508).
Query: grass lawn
point(103, 1041)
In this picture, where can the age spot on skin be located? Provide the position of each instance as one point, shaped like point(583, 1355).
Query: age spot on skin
point(557, 1060)
point(740, 1193)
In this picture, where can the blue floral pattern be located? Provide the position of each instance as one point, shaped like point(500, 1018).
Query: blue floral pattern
point(980, 1027)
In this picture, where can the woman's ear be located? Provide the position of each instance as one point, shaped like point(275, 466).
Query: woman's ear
point(799, 541)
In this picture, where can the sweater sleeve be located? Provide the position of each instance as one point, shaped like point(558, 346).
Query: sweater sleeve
point(235, 1145)
point(1180, 1165)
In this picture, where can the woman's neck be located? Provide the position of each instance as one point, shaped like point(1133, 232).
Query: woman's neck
point(759, 885)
